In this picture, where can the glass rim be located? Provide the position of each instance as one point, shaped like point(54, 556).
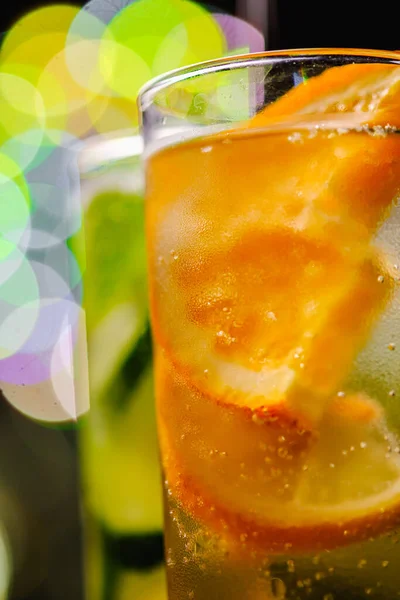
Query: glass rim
point(150, 89)
point(105, 149)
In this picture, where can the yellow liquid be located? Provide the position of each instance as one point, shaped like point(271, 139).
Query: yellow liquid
point(274, 293)
point(196, 565)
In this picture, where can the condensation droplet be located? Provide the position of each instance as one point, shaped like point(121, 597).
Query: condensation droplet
point(291, 566)
point(288, 545)
point(391, 346)
point(380, 279)
point(361, 563)
point(206, 149)
point(256, 419)
point(275, 472)
point(282, 452)
point(341, 394)
point(392, 393)
point(295, 137)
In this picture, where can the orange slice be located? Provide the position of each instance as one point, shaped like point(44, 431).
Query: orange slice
point(352, 97)
point(263, 484)
point(287, 336)
point(367, 93)
point(328, 183)
point(355, 97)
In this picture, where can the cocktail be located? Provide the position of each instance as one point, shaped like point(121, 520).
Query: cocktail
point(118, 444)
point(272, 226)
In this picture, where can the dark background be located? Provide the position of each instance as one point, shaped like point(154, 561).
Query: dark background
point(46, 525)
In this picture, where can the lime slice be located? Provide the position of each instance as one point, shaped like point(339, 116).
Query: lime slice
point(150, 585)
point(115, 292)
point(120, 464)
point(115, 248)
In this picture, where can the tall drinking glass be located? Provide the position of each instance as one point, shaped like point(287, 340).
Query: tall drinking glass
point(272, 227)
point(118, 442)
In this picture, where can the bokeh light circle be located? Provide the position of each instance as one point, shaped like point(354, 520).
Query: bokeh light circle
point(69, 369)
point(105, 10)
point(163, 34)
point(241, 36)
point(84, 39)
point(18, 280)
point(55, 308)
point(11, 258)
point(21, 107)
point(65, 74)
point(16, 326)
point(23, 147)
point(19, 303)
point(74, 96)
point(14, 202)
point(123, 69)
point(54, 20)
point(51, 387)
point(55, 218)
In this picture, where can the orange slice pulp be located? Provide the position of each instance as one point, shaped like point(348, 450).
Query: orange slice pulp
point(367, 93)
point(265, 484)
point(265, 284)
